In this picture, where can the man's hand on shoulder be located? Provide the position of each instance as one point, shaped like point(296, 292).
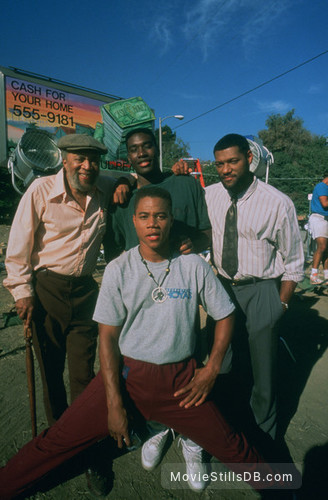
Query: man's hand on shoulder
point(181, 167)
point(24, 308)
point(122, 192)
point(186, 246)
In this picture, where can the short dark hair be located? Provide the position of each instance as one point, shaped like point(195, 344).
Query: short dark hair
point(152, 192)
point(231, 140)
point(141, 130)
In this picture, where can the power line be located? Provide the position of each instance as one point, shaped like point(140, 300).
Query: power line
point(210, 174)
point(253, 89)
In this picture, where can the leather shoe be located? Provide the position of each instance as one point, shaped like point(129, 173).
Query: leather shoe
point(98, 483)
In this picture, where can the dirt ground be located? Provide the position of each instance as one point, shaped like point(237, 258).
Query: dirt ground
point(303, 395)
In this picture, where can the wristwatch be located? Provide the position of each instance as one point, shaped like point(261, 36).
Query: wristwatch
point(285, 305)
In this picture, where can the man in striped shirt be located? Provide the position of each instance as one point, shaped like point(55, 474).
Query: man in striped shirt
point(268, 264)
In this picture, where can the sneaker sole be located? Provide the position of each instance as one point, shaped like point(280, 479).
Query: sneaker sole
point(196, 490)
point(149, 467)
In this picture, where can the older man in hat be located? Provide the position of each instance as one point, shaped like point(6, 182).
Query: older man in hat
point(52, 252)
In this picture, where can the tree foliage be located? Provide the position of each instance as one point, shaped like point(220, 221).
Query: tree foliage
point(173, 148)
point(300, 158)
point(300, 161)
point(209, 173)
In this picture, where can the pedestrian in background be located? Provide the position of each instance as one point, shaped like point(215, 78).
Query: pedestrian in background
point(318, 226)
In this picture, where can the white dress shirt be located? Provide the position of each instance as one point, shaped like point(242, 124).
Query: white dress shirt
point(269, 240)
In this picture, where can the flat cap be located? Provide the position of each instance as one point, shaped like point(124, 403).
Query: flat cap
point(78, 142)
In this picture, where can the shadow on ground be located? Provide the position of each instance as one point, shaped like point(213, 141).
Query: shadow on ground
point(306, 334)
point(303, 341)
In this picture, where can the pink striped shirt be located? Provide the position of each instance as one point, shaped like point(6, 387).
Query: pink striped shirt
point(51, 230)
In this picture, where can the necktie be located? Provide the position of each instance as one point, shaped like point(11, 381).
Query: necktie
point(230, 241)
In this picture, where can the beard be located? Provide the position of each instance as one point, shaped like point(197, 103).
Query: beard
point(75, 183)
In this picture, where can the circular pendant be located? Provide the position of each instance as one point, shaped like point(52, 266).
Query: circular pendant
point(159, 294)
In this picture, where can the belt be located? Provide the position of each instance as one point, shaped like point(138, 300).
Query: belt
point(248, 281)
point(63, 277)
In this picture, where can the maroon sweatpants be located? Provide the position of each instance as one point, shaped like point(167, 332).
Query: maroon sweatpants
point(85, 422)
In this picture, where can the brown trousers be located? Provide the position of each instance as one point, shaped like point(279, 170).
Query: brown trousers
point(62, 324)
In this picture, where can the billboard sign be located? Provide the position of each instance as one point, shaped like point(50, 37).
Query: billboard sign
point(47, 108)
point(34, 102)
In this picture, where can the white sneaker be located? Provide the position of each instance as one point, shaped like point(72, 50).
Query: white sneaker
point(315, 280)
point(151, 452)
point(195, 468)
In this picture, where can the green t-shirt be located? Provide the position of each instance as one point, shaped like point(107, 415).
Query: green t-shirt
point(189, 212)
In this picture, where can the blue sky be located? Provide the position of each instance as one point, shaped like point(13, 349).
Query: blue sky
point(182, 57)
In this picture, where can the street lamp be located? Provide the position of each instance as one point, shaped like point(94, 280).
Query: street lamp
point(178, 117)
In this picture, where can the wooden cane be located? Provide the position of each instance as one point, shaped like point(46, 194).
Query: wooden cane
point(30, 376)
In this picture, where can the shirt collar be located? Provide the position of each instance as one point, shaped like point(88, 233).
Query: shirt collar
point(58, 189)
point(247, 193)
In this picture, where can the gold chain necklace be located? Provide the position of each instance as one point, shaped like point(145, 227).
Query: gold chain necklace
point(159, 294)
